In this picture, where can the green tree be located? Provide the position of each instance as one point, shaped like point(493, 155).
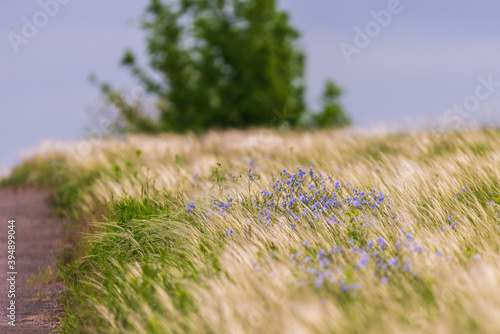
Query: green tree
point(332, 114)
point(221, 63)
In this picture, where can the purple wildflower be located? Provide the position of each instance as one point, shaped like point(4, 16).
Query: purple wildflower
point(190, 207)
point(381, 242)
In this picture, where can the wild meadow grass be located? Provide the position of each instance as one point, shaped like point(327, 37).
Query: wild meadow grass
point(280, 232)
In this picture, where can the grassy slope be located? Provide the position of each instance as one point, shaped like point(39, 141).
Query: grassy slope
point(241, 262)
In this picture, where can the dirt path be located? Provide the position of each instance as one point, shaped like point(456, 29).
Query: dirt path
point(37, 237)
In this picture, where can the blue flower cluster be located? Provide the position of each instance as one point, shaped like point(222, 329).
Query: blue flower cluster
point(304, 200)
point(310, 200)
point(325, 266)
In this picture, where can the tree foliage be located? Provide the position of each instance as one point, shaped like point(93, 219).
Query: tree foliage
point(332, 114)
point(220, 64)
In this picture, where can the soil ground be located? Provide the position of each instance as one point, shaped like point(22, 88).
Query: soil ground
point(38, 236)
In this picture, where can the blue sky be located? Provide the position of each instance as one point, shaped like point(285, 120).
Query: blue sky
point(428, 57)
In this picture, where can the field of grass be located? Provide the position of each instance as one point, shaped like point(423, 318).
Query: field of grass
point(279, 232)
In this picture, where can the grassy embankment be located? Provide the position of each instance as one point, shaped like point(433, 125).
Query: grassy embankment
point(234, 233)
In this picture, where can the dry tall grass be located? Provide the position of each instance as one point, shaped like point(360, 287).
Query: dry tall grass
point(445, 281)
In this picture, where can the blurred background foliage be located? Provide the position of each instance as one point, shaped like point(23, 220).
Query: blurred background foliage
point(222, 64)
